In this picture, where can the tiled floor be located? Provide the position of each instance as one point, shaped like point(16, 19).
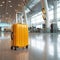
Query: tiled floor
point(42, 46)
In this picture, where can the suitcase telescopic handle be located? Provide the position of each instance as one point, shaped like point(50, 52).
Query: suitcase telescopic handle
point(12, 36)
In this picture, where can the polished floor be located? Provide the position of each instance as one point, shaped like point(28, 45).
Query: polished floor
point(42, 46)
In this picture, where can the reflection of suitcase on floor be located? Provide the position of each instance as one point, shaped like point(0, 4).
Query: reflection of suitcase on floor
point(19, 36)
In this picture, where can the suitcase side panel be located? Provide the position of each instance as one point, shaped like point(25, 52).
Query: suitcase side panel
point(20, 35)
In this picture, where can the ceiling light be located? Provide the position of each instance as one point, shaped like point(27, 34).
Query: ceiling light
point(3, 2)
point(10, 5)
point(6, 12)
point(9, 1)
point(1, 5)
point(19, 5)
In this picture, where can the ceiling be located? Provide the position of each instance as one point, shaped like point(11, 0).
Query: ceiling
point(8, 9)
point(37, 6)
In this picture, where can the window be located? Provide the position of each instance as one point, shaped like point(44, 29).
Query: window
point(36, 19)
point(58, 16)
point(51, 16)
point(58, 24)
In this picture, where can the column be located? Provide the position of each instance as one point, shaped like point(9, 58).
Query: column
point(19, 17)
point(21, 20)
point(29, 21)
point(55, 16)
point(25, 16)
point(55, 11)
point(16, 18)
point(44, 4)
point(30, 17)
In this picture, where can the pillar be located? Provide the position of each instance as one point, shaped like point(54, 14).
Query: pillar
point(20, 17)
point(16, 18)
point(29, 21)
point(44, 4)
point(55, 11)
point(25, 16)
point(55, 16)
point(21, 20)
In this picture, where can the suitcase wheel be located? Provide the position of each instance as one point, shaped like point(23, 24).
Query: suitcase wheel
point(11, 47)
point(15, 48)
point(27, 46)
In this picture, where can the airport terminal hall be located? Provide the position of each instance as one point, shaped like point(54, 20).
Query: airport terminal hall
point(29, 29)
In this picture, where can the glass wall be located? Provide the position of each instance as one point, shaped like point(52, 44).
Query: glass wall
point(58, 15)
point(37, 20)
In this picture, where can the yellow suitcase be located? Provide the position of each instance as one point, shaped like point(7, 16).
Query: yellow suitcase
point(19, 36)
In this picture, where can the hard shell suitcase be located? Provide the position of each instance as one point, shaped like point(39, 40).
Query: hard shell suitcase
point(19, 36)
